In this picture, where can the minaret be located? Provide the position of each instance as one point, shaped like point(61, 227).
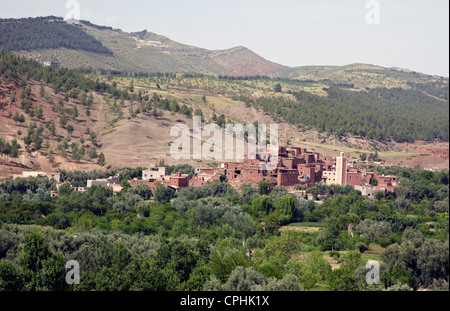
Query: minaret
point(341, 170)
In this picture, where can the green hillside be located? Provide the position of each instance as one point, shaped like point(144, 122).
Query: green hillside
point(398, 114)
point(27, 34)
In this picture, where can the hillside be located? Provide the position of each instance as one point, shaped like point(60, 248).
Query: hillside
point(106, 48)
point(51, 32)
point(70, 119)
point(403, 115)
point(117, 50)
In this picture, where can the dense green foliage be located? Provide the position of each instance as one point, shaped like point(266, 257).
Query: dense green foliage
point(46, 33)
point(9, 148)
point(214, 238)
point(436, 89)
point(381, 114)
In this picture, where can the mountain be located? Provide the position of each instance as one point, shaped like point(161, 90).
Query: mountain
point(105, 48)
point(70, 118)
point(51, 38)
point(141, 83)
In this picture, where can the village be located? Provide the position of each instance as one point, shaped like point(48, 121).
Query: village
point(298, 170)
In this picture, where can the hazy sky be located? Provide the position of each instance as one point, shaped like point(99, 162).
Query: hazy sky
point(411, 34)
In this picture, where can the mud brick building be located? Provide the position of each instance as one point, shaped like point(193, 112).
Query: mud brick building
point(297, 169)
point(295, 166)
point(154, 173)
point(175, 181)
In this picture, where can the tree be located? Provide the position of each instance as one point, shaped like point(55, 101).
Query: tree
point(63, 121)
point(315, 269)
point(314, 191)
point(262, 204)
point(243, 279)
point(179, 257)
point(199, 112)
point(9, 277)
point(92, 136)
point(90, 100)
point(286, 207)
point(69, 129)
point(374, 229)
point(19, 118)
point(39, 113)
point(142, 190)
point(101, 159)
point(74, 112)
point(164, 194)
point(415, 262)
point(52, 128)
point(379, 195)
point(278, 88)
point(131, 87)
point(120, 207)
point(223, 262)
point(65, 189)
point(264, 187)
point(82, 152)
point(329, 238)
point(42, 269)
point(92, 154)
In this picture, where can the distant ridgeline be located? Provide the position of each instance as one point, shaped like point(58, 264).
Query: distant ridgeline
point(51, 32)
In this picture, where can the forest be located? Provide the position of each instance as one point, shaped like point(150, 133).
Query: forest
point(14, 67)
point(46, 33)
point(215, 238)
point(381, 114)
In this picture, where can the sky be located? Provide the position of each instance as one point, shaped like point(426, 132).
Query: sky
point(411, 34)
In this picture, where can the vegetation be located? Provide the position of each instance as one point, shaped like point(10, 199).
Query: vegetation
point(46, 33)
point(381, 114)
point(213, 238)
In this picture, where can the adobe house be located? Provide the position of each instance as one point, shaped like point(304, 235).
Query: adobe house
point(202, 179)
point(296, 166)
point(154, 172)
point(354, 178)
point(177, 181)
point(287, 177)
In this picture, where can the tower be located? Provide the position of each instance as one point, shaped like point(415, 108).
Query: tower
point(341, 170)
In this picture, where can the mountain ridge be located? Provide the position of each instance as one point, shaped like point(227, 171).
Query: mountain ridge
point(146, 51)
